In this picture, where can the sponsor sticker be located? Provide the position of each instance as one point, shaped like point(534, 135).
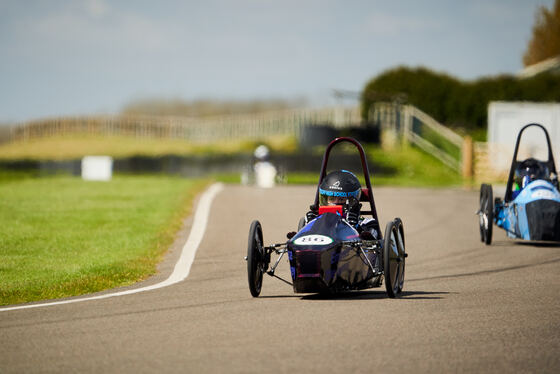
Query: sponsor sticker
point(313, 240)
point(336, 186)
point(543, 194)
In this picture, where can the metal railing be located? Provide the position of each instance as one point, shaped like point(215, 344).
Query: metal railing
point(419, 128)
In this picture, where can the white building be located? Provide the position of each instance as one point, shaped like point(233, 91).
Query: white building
point(505, 120)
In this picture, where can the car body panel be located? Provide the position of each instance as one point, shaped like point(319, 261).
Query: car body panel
point(327, 254)
point(534, 214)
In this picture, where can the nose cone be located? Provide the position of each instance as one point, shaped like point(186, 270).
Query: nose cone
point(313, 270)
point(543, 219)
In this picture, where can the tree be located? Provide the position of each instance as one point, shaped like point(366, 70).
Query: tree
point(545, 42)
point(452, 101)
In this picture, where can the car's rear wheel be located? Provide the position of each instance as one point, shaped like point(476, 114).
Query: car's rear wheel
point(256, 264)
point(486, 213)
point(393, 258)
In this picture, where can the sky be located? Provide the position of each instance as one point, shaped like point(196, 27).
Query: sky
point(72, 57)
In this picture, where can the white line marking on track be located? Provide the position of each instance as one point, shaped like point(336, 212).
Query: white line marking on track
point(182, 267)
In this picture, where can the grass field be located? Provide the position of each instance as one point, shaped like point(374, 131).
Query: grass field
point(61, 236)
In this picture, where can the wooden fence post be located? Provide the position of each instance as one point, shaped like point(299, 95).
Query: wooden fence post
point(467, 157)
point(407, 125)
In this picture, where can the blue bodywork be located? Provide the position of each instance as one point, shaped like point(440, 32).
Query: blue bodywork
point(534, 214)
point(328, 254)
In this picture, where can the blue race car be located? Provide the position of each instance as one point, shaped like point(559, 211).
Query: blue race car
point(530, 209)
point(328, 254)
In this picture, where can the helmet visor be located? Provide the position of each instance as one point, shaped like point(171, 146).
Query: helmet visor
point(335, 200)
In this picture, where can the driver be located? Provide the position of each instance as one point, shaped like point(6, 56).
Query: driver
point(341, 187)
point(528, 171)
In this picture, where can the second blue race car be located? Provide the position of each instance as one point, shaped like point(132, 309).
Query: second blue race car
point(530, 209)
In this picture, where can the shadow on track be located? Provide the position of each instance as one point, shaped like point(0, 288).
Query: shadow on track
point(374, 295)
point(524, 243)
point(539, 244)
point(485, 272)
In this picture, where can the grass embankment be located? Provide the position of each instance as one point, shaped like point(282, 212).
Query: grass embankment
point(61, 236)
point(407, 167)
point(76, 146)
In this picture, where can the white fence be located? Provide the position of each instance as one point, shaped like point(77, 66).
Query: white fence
point(422, 130)
point(206, 129)
point(412, 124)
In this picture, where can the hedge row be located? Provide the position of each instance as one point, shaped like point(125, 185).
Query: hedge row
point(454, 102)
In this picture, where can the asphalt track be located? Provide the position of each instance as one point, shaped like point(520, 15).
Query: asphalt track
point(466, 307)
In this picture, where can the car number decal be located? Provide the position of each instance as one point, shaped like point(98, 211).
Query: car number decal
point(313, 240)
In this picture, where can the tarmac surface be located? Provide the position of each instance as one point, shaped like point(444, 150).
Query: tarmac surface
point(466, 307)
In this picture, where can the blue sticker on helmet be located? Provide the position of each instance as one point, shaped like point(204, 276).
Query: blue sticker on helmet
point(339, 193)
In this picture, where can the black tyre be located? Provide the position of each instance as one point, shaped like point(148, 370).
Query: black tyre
point(481, 200)
point(393, 259)
point(402, 253)
point(486, 213)
point(256, 264)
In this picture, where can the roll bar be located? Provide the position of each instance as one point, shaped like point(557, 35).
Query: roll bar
point(515, 163)
point(367, 193)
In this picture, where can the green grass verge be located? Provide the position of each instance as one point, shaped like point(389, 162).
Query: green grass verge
point(441, 143)
point(61, 236)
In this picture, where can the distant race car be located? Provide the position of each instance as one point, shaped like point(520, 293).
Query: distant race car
point(328, 254)
point(530, 209)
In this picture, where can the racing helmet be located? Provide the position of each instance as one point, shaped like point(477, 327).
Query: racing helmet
point(262, 153)
point(528, 171)
point(339, 187)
